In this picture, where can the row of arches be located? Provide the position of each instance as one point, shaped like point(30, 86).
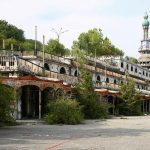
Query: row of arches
point(76, 73)
point(62, 70)
point(32, 103)
point(98, 78)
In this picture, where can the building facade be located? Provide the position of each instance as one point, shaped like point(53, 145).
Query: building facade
point(40, 77)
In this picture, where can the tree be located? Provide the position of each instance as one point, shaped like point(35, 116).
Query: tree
point(29, 45)
point(86, 96)
point(129, 99)
point(93, 42)
point(11, 31)
point(7, 97)
point(56, 48)
point(131, 59)
point(10, 34)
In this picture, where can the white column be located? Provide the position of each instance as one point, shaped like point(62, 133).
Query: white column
point(3, 44)
point(39, 104)
point(11, 46)
point(19, 111)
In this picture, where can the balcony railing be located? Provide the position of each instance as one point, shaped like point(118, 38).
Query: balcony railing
point(54, 58)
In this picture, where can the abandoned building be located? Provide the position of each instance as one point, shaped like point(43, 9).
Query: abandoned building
point(24, 72)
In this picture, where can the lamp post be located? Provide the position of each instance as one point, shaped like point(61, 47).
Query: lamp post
point(43, 53)
point(59, 32)
point(35, 44)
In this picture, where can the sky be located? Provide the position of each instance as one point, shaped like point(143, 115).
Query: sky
point(119, 20)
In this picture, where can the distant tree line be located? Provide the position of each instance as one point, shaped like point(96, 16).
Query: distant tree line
point(92, 42)
point(13, 37)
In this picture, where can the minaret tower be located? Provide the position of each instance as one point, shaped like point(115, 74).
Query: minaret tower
point(145, 26)
point(144, 49)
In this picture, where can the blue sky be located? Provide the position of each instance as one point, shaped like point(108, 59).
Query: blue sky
point(120, 20)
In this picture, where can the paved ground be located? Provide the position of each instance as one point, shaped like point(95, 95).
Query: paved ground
point(132, 133)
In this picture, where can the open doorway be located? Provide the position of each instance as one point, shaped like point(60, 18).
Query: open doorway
point(30, 101)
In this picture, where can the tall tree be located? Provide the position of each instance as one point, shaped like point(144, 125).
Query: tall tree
point(11, 31)
point(56, 48)
point(130, 99)
point(10, 34)
point(93, 43)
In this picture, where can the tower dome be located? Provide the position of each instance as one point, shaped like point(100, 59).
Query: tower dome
point(145, 22)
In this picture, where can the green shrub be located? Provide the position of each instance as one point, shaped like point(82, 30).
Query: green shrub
point(7, 96)
point(64, 110)
point(92, 108)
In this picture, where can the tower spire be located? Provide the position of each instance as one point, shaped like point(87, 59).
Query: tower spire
point(145, 26)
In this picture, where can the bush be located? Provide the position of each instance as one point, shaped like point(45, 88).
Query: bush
point(64, 110)
point(7, 96)
point(92, 108)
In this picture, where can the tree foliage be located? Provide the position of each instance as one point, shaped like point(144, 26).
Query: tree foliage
point(29, 44)
point(13, 35)
point(129, 99)
point(10, 31)
point(88, 98)
point(93, 42)
point(131, 59)
point(7, 97)
point(56, 48)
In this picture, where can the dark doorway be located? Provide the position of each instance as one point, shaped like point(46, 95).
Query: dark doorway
point(76, 73)
point(62, 70)
point(46, 66)
point(30, 101)
point(98, 78)
point(110, 101)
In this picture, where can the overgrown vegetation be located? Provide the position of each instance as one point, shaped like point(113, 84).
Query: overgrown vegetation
point(56, 48)
point(64, 110)
point(130, 99)
point(7, 97)
point(88, 98)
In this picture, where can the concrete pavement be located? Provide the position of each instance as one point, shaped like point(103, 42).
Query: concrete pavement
point(131, 133)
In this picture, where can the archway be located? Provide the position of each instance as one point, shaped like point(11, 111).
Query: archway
point(76, 73)
point(30, 101)
point(59, 92)
point(98, 78)
point(46, 66)
point(62, 70)
point(48, 94)
point(107, 80)
point(111, 102)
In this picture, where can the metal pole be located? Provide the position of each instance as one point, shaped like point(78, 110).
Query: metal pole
point(12, 46)
point(3, 44)
point(43, 52)
point(58, 33)
point(35, 46)
point(105, 72)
